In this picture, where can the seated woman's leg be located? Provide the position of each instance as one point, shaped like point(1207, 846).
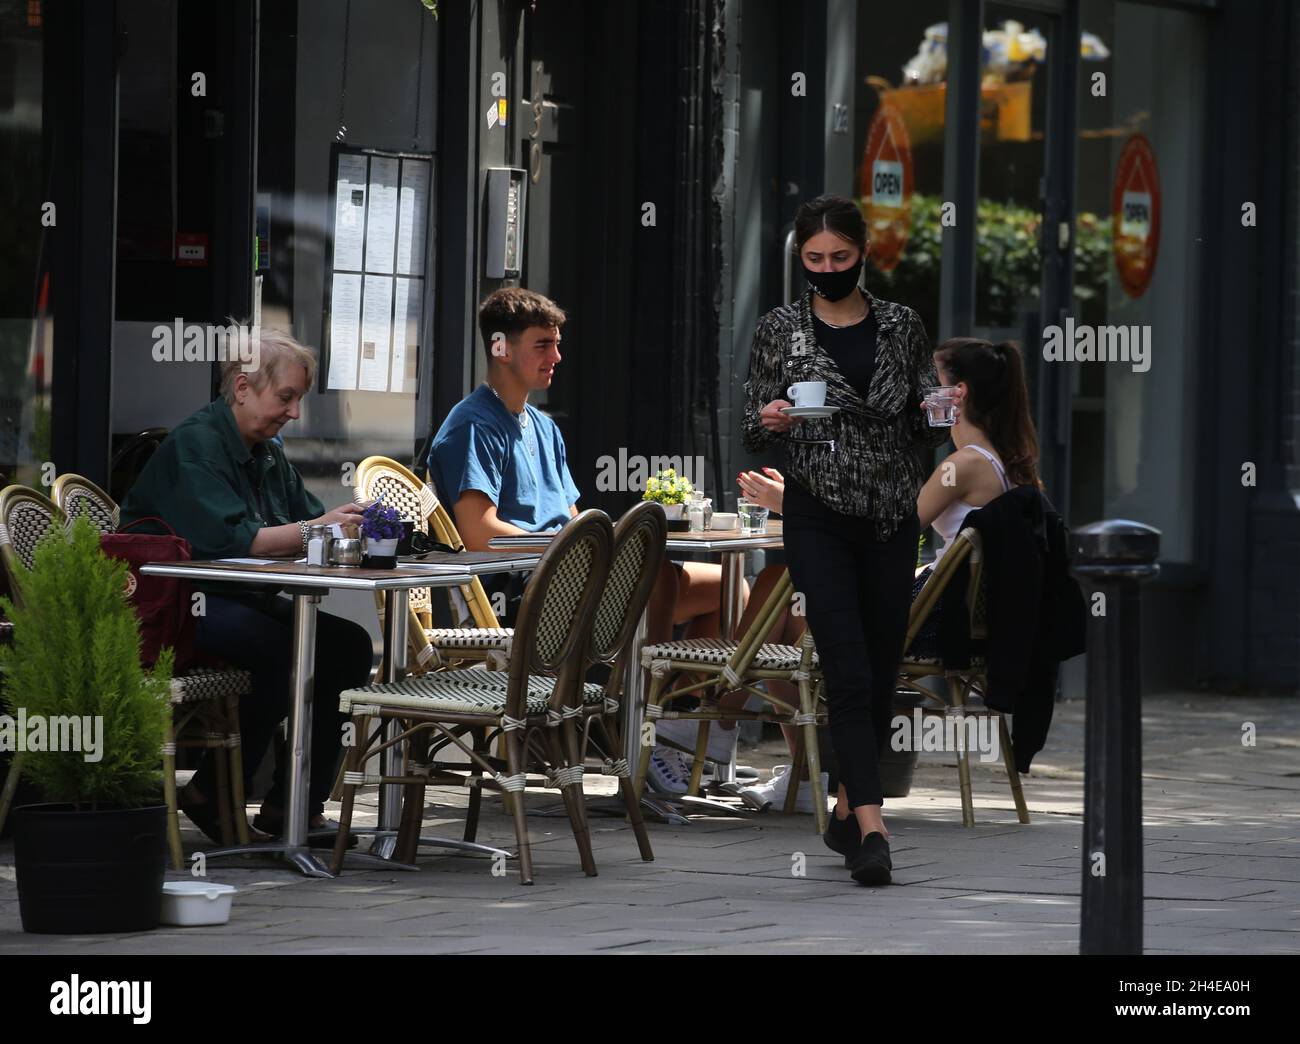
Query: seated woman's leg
point(257, 635)
point(699, 599)
point(344, 658)
point(248, 633)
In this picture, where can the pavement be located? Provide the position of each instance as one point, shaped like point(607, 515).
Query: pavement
point(1222, 867)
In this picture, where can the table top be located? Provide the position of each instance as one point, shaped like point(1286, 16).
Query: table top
point(709, 540)
point(436, 570)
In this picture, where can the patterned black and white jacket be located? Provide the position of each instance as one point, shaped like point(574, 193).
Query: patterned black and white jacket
point(862, 461)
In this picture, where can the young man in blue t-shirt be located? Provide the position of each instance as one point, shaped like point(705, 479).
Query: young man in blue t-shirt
point(501, 466)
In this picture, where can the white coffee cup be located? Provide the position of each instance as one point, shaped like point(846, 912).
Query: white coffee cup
point(808, 393)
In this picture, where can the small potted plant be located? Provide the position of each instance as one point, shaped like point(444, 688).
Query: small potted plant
point(381, 526)
point(671, 491)
point(93, 722)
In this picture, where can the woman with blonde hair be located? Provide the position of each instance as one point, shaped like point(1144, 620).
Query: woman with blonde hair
point(221, 480)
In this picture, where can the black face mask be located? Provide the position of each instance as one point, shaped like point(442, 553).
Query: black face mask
point(834, 286)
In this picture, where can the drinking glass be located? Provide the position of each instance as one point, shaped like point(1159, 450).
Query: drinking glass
point(941, 406)
point(753, 517)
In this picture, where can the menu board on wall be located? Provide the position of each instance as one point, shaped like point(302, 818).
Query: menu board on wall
point(374, 293)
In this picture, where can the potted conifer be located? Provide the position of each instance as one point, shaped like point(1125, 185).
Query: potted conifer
point(92, 722)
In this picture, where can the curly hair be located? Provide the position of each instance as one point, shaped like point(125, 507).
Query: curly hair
point(512, 310)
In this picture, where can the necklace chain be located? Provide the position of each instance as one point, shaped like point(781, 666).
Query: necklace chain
point(866, 307)
point(520, 418)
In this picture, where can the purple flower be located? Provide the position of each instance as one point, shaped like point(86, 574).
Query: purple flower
point(381, 522)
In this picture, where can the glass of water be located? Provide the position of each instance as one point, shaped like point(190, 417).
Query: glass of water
point(753, 517)
point(941, 406)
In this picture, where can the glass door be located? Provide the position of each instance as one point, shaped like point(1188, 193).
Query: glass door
point(1025, 209)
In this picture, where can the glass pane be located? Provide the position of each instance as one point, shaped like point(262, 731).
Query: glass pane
point(1141, 152)
point(26, 323)
point(343, 219)
point(1013, 124)
point(901, 68)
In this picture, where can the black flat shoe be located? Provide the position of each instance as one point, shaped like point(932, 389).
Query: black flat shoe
point(871, 865)
point(205, 816)
point(843, 836)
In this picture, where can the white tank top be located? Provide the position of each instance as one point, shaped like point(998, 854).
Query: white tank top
point(949, 522)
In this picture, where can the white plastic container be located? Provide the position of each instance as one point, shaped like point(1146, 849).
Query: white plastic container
point(196, 902)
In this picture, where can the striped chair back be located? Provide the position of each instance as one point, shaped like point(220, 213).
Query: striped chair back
point(25, 517)
point(639, 539)
point(965, 547)
point(559, 604)
point(76, 495)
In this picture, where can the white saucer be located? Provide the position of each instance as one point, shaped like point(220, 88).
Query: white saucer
point(810, 412)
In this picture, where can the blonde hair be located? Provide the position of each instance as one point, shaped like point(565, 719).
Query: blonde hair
point(273, 349)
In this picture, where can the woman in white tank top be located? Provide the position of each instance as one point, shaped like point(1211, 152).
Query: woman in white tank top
point(996, 447)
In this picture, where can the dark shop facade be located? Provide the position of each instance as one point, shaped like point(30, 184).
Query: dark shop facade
point(362, 172)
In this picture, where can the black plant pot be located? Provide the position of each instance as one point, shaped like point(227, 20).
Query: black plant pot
point(85, 872)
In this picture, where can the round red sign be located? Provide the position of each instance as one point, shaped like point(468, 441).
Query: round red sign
point(887, 187)
point(1135, 215)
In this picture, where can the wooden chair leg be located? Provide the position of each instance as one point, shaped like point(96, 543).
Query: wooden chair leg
point(238, 798)
point(514, 801)
point(11, 787)
point(169, 792)
point(630, 802)
point(796, 774)
point(963, 756)
point(215, 745)
point(354, 762)
point(475, 793)
point(697, 766)
point(1009, 760)
point(808, 738)
point(408, 834)
point(653, 699)
point(564, 753)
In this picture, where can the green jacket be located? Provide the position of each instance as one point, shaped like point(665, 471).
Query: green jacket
point(216, 492)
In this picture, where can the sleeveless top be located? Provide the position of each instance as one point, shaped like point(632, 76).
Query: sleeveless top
point(948, 524)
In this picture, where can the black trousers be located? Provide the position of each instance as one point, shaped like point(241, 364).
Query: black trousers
point(257, 635)
point(857, 591)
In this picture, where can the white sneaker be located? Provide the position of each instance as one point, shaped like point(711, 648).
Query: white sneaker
point(683, 733)
point(670, 771)
point(775, 789)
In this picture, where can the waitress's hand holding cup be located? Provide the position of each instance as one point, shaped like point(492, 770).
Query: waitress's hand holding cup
point(805, 393)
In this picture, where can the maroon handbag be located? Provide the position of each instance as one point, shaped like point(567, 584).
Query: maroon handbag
point(161, 603)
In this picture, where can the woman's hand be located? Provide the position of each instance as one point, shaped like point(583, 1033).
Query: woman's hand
point(343, 513)
point(771, 417)
point(766, 488)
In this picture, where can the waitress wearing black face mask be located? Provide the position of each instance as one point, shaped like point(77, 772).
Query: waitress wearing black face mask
point(852, 480)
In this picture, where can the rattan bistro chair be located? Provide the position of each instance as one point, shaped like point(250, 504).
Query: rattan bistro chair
point(709, 668)
point(205, 700)
point(962, 682)
point(434, 648)
point(552, 635)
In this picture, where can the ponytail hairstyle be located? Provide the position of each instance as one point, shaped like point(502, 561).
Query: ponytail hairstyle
point(997, 400)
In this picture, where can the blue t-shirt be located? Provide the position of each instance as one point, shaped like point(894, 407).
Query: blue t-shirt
point(522, 469)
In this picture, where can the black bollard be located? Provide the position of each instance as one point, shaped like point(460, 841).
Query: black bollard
point(1112, 558)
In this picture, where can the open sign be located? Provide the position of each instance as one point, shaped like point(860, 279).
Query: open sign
point(887, 183)
point(1135, 212)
